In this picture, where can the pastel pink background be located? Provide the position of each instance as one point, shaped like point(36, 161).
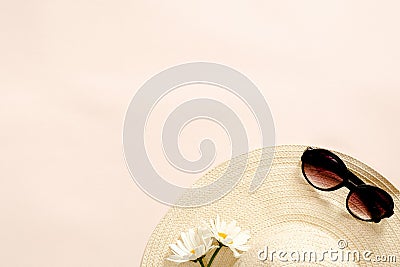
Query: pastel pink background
point(68, 70)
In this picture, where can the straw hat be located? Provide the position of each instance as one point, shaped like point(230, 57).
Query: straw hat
point(287, 214)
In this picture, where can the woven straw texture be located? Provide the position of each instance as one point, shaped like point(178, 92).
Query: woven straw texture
point(286, 214)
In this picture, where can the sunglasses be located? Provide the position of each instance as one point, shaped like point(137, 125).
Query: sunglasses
point(326, 171)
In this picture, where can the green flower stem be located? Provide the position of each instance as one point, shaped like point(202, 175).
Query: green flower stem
point(201, 263)
point(213, 256)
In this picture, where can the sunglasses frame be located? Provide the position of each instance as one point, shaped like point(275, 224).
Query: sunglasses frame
point(350, 180)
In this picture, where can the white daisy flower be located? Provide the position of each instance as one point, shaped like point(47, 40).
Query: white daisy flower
point(230, 235)
point(193, 245)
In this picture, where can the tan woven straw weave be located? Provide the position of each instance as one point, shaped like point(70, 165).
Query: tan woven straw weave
point(287, 214)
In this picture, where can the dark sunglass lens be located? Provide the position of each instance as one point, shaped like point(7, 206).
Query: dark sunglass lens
point(321, 177)
point(370, 203)
point(323, 169)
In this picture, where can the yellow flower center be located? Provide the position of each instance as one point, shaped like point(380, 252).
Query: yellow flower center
point(223, 235)
point(192, 251)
